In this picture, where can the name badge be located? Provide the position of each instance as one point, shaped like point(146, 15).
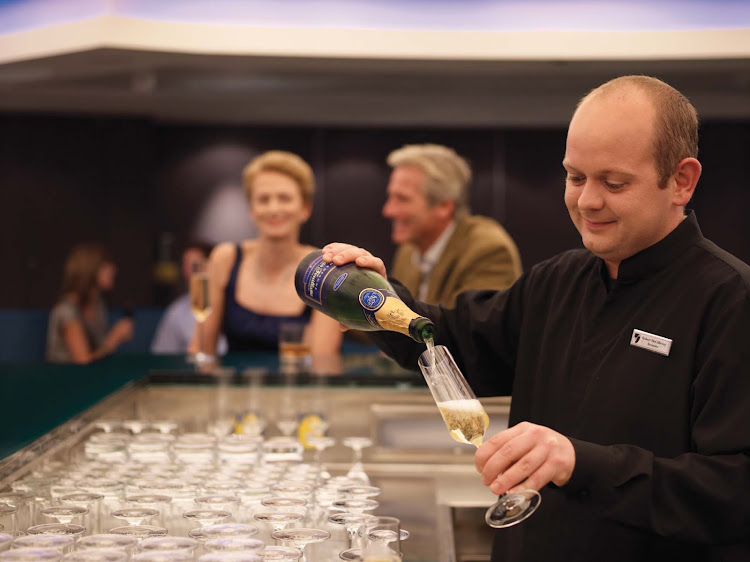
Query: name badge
point(651, 342)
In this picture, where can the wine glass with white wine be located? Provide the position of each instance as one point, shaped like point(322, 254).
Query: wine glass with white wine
point(467, 422)
point(200, 305)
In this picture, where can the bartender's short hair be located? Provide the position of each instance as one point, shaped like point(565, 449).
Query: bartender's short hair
point(447, 174)
point(676, 126)
point(283, 162)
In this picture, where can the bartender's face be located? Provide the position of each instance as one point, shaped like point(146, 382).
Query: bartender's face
point(412, 217)
point(611, 188)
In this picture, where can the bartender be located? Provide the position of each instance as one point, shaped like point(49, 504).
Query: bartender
point(627, 361)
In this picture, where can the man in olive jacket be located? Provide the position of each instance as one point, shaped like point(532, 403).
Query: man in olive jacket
point(442, 249)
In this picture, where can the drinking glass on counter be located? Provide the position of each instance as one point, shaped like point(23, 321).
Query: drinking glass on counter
point(467, 422)
point(200, 305)
point(295, 354)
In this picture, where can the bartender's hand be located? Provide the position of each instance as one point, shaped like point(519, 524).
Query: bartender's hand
point(340, 254)
point(525, 456)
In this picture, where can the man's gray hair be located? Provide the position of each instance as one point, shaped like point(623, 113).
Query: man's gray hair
point(447, 174)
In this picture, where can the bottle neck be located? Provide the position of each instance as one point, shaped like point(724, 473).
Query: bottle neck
point(421, 329)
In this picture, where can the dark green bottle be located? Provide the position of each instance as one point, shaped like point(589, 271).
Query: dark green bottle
point(358, 298)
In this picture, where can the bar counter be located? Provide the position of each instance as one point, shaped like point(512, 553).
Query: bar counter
point(427, 480)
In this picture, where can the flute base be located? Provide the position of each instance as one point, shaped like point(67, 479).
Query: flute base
point(512, 508)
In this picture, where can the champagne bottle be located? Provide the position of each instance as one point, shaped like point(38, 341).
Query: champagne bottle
point(358, 298)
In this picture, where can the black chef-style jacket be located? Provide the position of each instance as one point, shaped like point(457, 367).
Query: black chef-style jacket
point(662, 468)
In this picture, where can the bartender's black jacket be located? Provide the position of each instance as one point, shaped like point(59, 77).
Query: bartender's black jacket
point(662, 468)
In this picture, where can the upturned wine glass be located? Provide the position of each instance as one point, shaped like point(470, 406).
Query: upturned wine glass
point(357, 471)
point(351, 522)
point(467, 422)
point(301, 537)
point(207, 516)
point(278, 520)
point(135, 515)
point(280, 553)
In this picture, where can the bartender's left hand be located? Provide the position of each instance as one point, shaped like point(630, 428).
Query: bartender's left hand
point(525, 456)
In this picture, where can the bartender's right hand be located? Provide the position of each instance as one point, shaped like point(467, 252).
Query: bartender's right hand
point(339, 254)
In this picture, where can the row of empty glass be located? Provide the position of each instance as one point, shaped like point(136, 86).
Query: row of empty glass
point(140, 490)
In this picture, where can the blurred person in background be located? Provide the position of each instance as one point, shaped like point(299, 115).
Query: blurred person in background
point(177, 325)
point(78, 329)
point(252, 283)
point(443, 250)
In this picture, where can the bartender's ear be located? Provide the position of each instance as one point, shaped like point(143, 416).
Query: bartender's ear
point(684, 180)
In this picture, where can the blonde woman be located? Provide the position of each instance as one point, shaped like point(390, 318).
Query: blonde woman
point(252, 290)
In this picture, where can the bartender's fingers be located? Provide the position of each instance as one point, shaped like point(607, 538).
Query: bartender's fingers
point(506, 455)
point(526, 453)
point(519, 472)
point(340, 254)
point(490, 447)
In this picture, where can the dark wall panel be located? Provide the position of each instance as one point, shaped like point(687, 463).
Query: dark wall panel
point(126, 181)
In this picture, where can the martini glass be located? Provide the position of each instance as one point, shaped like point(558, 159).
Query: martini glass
point(467, 422)
point(351, 554)
point(301, 537)
point(357, 471)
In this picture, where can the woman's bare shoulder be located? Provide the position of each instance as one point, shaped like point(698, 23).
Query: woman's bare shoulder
point(304, 249)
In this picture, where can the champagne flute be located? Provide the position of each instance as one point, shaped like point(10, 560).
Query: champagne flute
point(200, 305)
point(467, 422)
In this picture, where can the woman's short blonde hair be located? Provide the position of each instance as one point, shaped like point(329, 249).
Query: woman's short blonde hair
point(285, 163)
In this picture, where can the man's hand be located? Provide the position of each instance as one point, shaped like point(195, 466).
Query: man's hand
point(339, 254)
point(525, 456)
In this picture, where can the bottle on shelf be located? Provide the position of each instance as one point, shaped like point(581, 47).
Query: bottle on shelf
point(358, 298)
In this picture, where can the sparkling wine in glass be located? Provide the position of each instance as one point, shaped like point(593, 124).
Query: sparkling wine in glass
point(200, 305)
point(467, 422)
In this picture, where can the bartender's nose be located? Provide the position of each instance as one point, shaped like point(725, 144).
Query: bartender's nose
point(590, 197)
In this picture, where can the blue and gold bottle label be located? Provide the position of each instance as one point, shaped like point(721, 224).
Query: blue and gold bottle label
point(385, 310)
point(314, 279)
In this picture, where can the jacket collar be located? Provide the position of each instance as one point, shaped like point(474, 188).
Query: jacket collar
point(658, 256)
